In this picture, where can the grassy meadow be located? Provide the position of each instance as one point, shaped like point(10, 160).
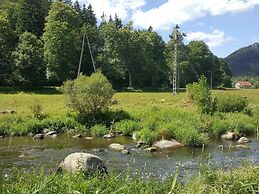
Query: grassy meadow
point(153, 115)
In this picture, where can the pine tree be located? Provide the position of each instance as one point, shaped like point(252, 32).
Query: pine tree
point(117, 22)
point(32, 16)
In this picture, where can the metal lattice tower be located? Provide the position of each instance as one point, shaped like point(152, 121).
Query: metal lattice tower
point(176, 37)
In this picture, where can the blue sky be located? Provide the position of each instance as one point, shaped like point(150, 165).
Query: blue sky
point(225, 25)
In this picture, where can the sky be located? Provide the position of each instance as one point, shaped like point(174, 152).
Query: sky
point(225, 25)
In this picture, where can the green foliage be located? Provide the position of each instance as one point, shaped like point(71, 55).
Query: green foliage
point(98, 130)
point(231, 103)
point(29, 60)
point(245, 61)
point(7, 42)
point(32, 16)
point(147, 136)
point(61, 49)
point(37, 111)
point(243, 179)
point(127, 127)
point(238, 122)
point(22, 126)
point(200, 94)
point(88, 95)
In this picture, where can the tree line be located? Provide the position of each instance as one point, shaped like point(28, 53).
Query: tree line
point(41, 42)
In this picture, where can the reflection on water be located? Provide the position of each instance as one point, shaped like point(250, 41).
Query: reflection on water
point(27, 154)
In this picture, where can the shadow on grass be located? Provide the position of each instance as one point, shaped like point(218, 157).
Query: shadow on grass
point(30, 90)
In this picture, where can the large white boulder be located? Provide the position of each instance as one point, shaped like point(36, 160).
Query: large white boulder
point(167, 144)
point(117, 147)
point(82, 162)
point(228, 135)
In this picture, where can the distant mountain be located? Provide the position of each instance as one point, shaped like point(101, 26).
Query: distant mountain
point(245, 61)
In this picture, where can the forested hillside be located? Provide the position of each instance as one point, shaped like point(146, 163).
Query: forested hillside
point(41, 42)
point(245, 61)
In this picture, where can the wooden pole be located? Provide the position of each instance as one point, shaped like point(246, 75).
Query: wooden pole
point(81, 56)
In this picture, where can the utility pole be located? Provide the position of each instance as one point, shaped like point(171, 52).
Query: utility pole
point(82, 52)
point(81, 56)
point(90, 53)
point(177, 37)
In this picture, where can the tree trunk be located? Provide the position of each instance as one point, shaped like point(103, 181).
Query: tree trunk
point(130, 79)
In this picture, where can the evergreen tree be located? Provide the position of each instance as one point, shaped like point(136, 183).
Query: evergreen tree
point(32, 16)
point(28, 56)
point(88, 16)
point(117, 22)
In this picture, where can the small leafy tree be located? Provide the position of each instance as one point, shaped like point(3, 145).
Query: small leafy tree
point(200, 94)
point(88, 95)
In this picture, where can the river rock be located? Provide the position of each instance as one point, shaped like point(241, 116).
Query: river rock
point(82, 162)
point(139, 144)
point(30, 134)
point(50, 133)
point(45, 131)
point(89, 138)
point(11, 111)
point(135, 136)
point(108, 136)
point(77, 136)
point(125, 151)
point(243, 140)
point(117, 147)
point(167, 144)
point(38, 136)
point(150, 149)
point(228, 135)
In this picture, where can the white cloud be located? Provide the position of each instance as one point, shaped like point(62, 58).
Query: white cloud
point(110, 7)
point(214, 39)
point(178, 12)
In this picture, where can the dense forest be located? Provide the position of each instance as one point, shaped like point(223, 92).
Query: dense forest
point(245, 61)
point(41, 42)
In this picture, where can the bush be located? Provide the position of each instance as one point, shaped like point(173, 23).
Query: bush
point(200, 94)
point(98, 130)
point(147, 136)
point(88, 95)
point(232, 103)
point(127, 127)
point(37, 111)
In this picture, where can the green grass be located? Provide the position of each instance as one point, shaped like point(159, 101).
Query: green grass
point(153, 114)
point(242, 180)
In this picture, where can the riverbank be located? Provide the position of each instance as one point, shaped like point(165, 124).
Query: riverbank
point(152, 116)
point(241, 180)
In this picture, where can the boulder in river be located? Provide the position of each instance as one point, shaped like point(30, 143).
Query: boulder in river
point(125, 151)
point(135, 136)
point(77, 136)
point(228, 135)
point(50, 133)
point(150, 149)
point(117, 147)
point(38, 136)
point(83, 162)
point(167, 144)
point(108, 136)
point(243, 140)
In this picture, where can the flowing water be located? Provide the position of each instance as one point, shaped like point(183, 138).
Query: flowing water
point(27, 154)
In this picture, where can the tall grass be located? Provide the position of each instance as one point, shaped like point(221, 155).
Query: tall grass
point(242, 180)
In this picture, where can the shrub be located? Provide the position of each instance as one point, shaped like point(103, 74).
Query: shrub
point(88, 95)
point(147, 136)
point(232, 103)
point(200, 94)
point(98, 130)
point(127, 127)
point(37, 111)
